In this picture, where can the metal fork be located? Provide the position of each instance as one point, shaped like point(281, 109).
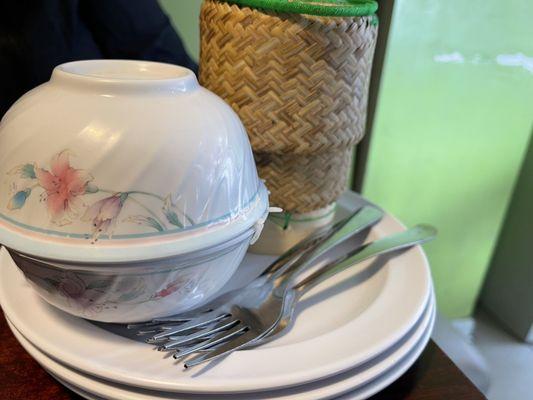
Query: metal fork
point(275, 311)
point(215, 323)
point(279, 266)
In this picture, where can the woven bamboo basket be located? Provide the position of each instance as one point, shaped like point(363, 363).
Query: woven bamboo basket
point(299, 83)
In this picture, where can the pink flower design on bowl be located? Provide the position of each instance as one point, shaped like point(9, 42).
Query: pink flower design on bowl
point(65, 188)
point(62, 185)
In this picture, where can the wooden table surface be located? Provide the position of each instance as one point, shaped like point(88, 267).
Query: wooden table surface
point(432, 377)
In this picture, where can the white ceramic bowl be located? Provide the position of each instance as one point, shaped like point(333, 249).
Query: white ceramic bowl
point(135, 291)
point(117, 164)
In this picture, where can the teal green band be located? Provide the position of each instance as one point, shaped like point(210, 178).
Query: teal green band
point(325, 8)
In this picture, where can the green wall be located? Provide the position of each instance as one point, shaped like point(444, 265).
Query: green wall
point(452, 128)
point(507, 289)
point(452, 125)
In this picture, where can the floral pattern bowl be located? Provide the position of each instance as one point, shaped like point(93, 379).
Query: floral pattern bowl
point(135, 291)
point(114, 177)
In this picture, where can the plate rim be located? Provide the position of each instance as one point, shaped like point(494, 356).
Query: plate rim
point(346, 386)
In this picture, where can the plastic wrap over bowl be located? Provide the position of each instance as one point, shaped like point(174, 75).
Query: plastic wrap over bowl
point(126, 168)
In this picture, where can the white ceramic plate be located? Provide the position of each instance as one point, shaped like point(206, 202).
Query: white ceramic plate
point(375, 306)
point(366, 379)
point(363, 392)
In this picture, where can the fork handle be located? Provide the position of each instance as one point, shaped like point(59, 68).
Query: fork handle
point(284, 261)
point(357, 222)
point(416, 235)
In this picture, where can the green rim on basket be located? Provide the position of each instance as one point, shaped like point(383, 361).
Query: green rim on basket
point(325, 8)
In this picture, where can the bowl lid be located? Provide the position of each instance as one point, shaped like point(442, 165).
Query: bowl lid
point(121, 160)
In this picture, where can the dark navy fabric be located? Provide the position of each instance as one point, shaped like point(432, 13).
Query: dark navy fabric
point(37, 35)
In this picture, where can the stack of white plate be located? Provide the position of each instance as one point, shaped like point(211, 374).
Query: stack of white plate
point(354, 335)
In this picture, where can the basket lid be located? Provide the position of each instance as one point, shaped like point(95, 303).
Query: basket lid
point(333, 8)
